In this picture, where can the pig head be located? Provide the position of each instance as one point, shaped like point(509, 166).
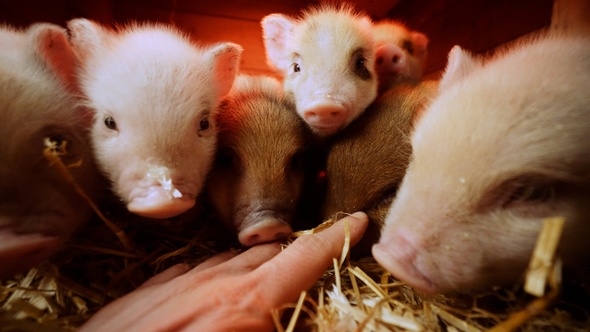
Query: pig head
point(400, 54)
point(258, 176)
point(154, 94)
point(502, 147)
point(327, 60)
point(39, 208)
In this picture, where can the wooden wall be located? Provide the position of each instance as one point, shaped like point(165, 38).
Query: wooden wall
point(476, 25)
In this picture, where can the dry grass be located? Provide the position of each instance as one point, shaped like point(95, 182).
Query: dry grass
point(108, 259)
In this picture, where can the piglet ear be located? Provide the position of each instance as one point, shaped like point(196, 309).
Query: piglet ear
point(277, 31)
point(420, 42)
point(86, 37)
point(226, 62)
point(459, 65)
point(50, 43)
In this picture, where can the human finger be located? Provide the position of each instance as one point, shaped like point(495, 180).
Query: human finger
point(310, 255)
point(166, 275)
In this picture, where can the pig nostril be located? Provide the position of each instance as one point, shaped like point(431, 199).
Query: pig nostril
point(396, 59)
point(379, 60)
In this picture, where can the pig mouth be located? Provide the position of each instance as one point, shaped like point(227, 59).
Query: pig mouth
point(326, 130)
point(404, 269)
point(157, 202)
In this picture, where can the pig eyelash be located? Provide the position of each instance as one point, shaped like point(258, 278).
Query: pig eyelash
point(110, 123)
point(531, 194)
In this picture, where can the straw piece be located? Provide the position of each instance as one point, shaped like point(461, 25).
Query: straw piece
point(453, 320)
point(541, 263)
point(295, 316)
point(51, 152)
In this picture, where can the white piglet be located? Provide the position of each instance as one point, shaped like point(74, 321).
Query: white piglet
point(505, 145)
point(154, 93)
point(327, 59)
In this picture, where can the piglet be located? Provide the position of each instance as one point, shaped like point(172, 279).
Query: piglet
point(260, 170)
point(39, 207)
point(367, 160)
point(154, 94)
point(400, 53)
point(327, 59)
point(503, 146)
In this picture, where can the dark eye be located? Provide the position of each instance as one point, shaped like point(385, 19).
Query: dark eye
point(110, 123)
point(408, 46)
point(532, 194)
point(204, 123)
point(296, 68)
point(360, 63)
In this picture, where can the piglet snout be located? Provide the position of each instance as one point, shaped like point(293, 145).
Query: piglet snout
point(398, 254)
point(325, 117)
point(389, 59)
point(267, 229)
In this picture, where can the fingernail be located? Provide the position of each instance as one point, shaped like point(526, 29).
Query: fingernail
point(360, 215)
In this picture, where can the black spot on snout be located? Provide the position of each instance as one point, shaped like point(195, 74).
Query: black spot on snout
point(360, 66)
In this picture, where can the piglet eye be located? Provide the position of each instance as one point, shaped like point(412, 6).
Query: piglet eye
point(110, 123)
point(533, 194)
point(296, 68)
point(360, 63)
point(204, 124)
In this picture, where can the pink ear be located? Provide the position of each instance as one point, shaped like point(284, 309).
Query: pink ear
point(51, 45)
point(86, 37)
point(276, 30)
point(460, 64)
point(420, 42)
point(226, 62)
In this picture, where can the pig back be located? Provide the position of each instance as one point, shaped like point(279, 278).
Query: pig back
point(367, 161)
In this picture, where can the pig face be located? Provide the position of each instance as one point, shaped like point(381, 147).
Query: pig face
point(327, 59)
point(39, 208)
point(503, 147)
point(400, 53)
point(154, 95)
point(257, 180)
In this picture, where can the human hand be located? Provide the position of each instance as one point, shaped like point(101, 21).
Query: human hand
point(229, 291)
